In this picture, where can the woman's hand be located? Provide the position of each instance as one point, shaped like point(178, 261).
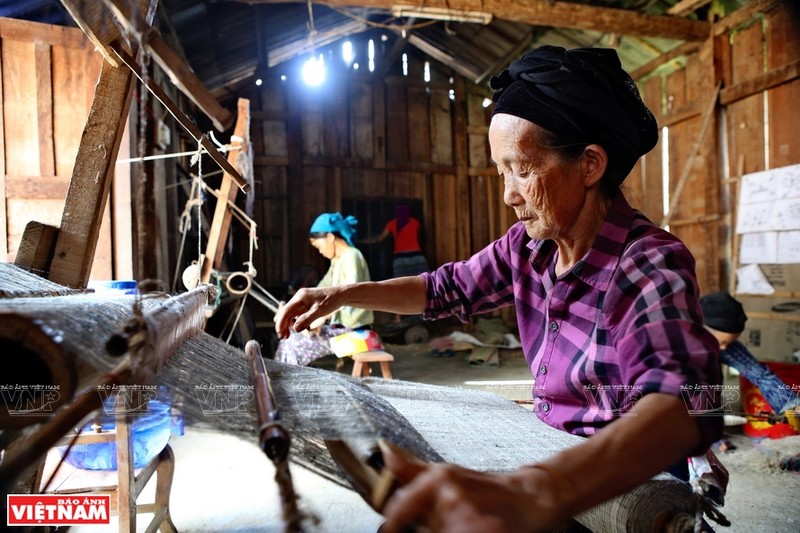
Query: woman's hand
point(304, 309)
point(448, 498)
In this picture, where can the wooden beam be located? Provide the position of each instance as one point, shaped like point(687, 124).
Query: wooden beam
point(36, 248)
point(187, 81)
point(181, 74)
point(687, 166)
point(182, 119)
point(92, 17)
point(647, 68)
point(743, 15)
point(684, 7)
point(221, 223)
point(91, 178)
point(552, 13)
point(762, 82)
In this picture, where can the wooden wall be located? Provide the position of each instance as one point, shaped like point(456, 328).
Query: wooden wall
point(48, 79)
point(754, 57)
point(362, 137)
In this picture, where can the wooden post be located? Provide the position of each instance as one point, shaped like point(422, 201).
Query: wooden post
point(91, 179)
point(221, 222)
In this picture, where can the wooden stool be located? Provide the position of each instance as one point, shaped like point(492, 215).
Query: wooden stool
point(362, 360)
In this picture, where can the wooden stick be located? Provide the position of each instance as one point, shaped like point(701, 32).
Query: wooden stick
point(173, 109)
point(272, 436)
point(687, 167)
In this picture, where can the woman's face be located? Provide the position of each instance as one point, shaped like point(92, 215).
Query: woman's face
point(546, 192)
point(325, 245)
point(725, 339)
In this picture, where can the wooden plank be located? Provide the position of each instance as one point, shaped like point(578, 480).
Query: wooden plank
point(662, 59)
point(97, 23)
point(419, 142)
point(3, 193)
point(295, 194)
point(379, 125)
point(36, 247)
point(560, 14)
point(783, 46)
point(23, 210)
point(88, 191)
point(479, 212)
point(220, 224)
point(37, 187)
point(744, 15)
point(762, 82)
point(26, 31)
point(182, 119)
point(73, 79)
point(312, 126)
point(652, 178)
point(461, 160)
point(44, 115)
point(121, 202)
point(361, 111)
point(684, 7)
point(441, 128)
point(445, 206)
point(20, 107)
point(184, 78)
point(336, 128)
point(397, 134)
point(746, 117)
point(686, 173)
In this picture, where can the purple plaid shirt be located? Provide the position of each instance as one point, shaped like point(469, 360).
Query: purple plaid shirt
point(623, 322)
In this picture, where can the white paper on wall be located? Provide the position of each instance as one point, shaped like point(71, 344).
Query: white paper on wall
point(768, 216)
point(788, 244)
point(751, 280)
point(758, 248)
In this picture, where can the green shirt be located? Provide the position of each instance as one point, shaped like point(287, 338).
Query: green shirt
point(349, 267)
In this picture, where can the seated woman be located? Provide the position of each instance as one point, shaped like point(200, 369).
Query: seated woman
point(333, 236)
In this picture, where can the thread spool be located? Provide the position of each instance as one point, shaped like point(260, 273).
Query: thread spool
point(238, 283)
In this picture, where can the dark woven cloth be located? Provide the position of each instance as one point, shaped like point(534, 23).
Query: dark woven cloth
point(584, 96)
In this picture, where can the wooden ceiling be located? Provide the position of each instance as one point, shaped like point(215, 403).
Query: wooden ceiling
point(229, 43)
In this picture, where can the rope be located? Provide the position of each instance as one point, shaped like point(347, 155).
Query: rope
point(198, 158)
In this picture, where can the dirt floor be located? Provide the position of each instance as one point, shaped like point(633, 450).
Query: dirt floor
point(762, 497)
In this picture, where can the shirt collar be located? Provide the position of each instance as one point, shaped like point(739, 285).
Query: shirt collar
point(598, 265)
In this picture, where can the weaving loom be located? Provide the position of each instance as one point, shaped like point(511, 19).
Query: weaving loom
point(483, 431)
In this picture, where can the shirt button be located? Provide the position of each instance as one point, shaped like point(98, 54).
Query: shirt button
point(553, 326)
point(545, 407)
point(543, 369)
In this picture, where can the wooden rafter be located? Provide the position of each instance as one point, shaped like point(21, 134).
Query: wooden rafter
point(551, 13)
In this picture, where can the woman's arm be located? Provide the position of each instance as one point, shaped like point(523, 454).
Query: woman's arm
point(399, 295)
point(378, 238)
point(632, 449)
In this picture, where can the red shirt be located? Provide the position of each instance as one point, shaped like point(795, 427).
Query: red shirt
point(407, 239)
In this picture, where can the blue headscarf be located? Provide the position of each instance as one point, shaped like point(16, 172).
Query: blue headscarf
point(335, 223)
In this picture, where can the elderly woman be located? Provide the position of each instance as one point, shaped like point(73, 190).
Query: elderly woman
point(333, 236)
point(605, 301)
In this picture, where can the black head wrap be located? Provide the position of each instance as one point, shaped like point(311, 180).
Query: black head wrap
point(583, 96)
point(723, 312)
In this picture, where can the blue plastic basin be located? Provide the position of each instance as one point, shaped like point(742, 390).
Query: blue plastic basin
point(150, 431)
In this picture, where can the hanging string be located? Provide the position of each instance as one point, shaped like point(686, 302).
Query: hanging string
point(198, 158)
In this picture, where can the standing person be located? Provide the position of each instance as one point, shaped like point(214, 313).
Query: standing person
point(333, 236)
point(408, 258)
point(605, 301)
point(725, 318)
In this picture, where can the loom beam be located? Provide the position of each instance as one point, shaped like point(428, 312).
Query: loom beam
point(157, 334)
